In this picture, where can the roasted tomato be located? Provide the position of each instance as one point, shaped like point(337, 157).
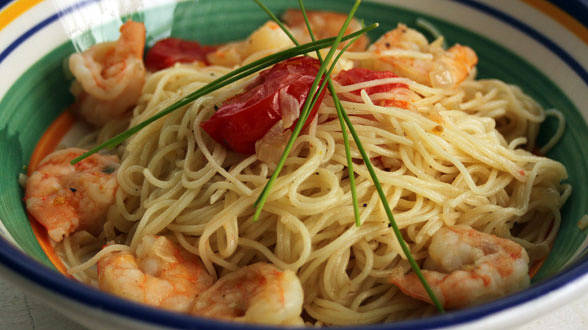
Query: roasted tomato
point(403, 95)
point(278, 93)
point(358, 75)
point(168, 51)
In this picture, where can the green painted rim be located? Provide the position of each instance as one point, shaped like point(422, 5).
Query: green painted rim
point(32, 103)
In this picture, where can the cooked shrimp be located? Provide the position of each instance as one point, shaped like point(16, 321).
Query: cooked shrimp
point(258, 293)
point(267, 39)
point(467, 267)
point(160, 274)
point(65, 198)
point(110, 75)
point(324, 24)
point(433, 66)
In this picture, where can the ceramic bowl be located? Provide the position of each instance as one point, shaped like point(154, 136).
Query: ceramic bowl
point(534, 44)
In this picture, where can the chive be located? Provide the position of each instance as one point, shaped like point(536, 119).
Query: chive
point(392, 223)
point(230, 77)
point(304, 114)
point(339, 107)
point(342, 115)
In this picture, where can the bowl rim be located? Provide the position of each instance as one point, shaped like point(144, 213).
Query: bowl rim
point(23, 265)
point(20, 263)
point(533, 33)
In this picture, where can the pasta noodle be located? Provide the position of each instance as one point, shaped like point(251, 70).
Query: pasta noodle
point(456, 158)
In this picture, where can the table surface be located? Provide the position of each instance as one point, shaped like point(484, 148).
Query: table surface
point(22, 311)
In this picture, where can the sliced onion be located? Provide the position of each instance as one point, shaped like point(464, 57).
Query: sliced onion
point(290, 108)
point(269, 148)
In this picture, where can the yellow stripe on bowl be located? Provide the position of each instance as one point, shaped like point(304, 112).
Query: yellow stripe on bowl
point(560, 16)
point(14, 10)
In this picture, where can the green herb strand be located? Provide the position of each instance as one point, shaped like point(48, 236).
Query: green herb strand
point(304, 115)
point(342, 115)
point(230, 77)
point(339, 108)
point(392, 223)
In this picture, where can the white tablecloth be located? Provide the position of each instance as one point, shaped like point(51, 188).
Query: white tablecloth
point(19, 311)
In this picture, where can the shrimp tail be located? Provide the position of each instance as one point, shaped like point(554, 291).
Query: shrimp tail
point(468, 268)
point(412, 286)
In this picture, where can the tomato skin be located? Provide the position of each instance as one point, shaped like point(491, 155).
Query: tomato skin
point(168, 51)
point(358, 75)
point(245, 118)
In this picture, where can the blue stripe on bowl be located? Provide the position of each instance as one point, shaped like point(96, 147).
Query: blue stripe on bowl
point(29, 33)
point(55, 282)
point(578, 9)
point(560, 52)
point(4, 3)
point(26, 267)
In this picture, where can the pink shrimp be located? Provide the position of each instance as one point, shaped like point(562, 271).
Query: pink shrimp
point(258, 293)
point(267, 39)
point(442, 68)
point(65, 198)
point(160, 274)
point(110, 75)
point(324, 24)
point(467, 267)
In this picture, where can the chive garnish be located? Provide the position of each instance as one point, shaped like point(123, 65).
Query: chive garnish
point(260, 64)
point(230, 77)
point(342, 115)
point(304, 113)
point(339, 107)
point(392, 223)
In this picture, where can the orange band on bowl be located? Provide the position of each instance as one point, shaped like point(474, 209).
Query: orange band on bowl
point(46, 145)
point(559, 15)
point(14, 10)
